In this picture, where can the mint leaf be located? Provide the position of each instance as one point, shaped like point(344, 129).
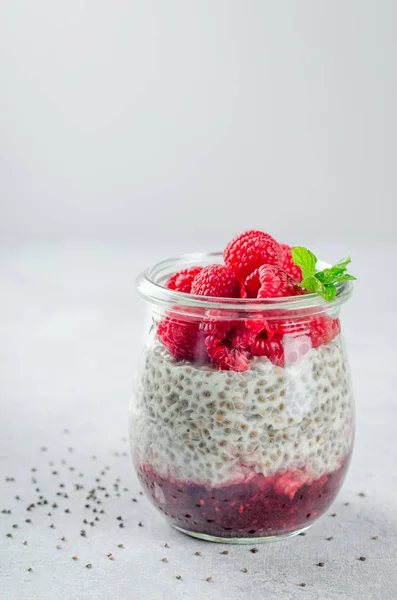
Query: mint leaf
point(344, 277)
point(305, 259)
point(329, 275)
point(326, 276)
point(321, 282)
point(343, 263)
point(312, 284)
point(329, 292)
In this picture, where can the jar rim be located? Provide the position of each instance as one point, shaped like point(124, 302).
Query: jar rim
point(150, 286)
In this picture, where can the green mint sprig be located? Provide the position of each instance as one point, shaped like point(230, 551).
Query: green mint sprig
point(321, 282)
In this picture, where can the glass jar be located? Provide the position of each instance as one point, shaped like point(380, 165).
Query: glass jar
point(242, 421)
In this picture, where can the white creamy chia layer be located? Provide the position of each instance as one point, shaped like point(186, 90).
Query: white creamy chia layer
point(204, 425)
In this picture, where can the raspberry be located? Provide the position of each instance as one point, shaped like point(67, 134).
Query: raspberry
point(283, 351)
point(216, 281)
point(250, 250)
point(272, 348)
point(316, 330)
point(228, 359)
point(289, 327)
point(288, 264)
point(270, 281)
point(182, 338)
point(228, 342)
point(182, 280)
point(323, 329)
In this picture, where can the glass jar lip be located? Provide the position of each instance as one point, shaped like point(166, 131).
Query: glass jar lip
point(150, 286)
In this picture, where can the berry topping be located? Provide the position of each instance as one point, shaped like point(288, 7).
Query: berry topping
point(216, 281)
point(270, 281)
point(182, 280)
point(250, 250)
point(182, 338)
point(256, 266)
point(288, 264)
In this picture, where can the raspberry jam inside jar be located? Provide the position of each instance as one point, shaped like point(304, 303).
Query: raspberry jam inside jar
point(242, 420)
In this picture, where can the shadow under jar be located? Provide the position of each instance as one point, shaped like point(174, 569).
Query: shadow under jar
point(256, 448)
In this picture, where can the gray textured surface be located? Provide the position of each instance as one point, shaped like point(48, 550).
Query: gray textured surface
point(70, 323)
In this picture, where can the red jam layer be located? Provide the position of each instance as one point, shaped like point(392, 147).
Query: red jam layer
point(258, 507)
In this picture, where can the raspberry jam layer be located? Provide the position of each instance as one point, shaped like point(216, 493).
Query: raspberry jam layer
point(259, 507)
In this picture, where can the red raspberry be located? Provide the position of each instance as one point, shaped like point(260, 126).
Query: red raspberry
point(216, 281)
point(228, 342)
point(182, 280)
point(250, 250)
point(283, 351)
point(288, 264)
point(182, 338)
point(272, 348)
point(228, 359)
point(270, 281)
point(323, 329)
point(320, 329)
point(291, 327)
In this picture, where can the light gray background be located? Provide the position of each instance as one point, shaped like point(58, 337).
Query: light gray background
point(151, 119)
point(131, 131)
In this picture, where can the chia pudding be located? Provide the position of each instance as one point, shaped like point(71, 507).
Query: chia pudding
point(242, 429)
